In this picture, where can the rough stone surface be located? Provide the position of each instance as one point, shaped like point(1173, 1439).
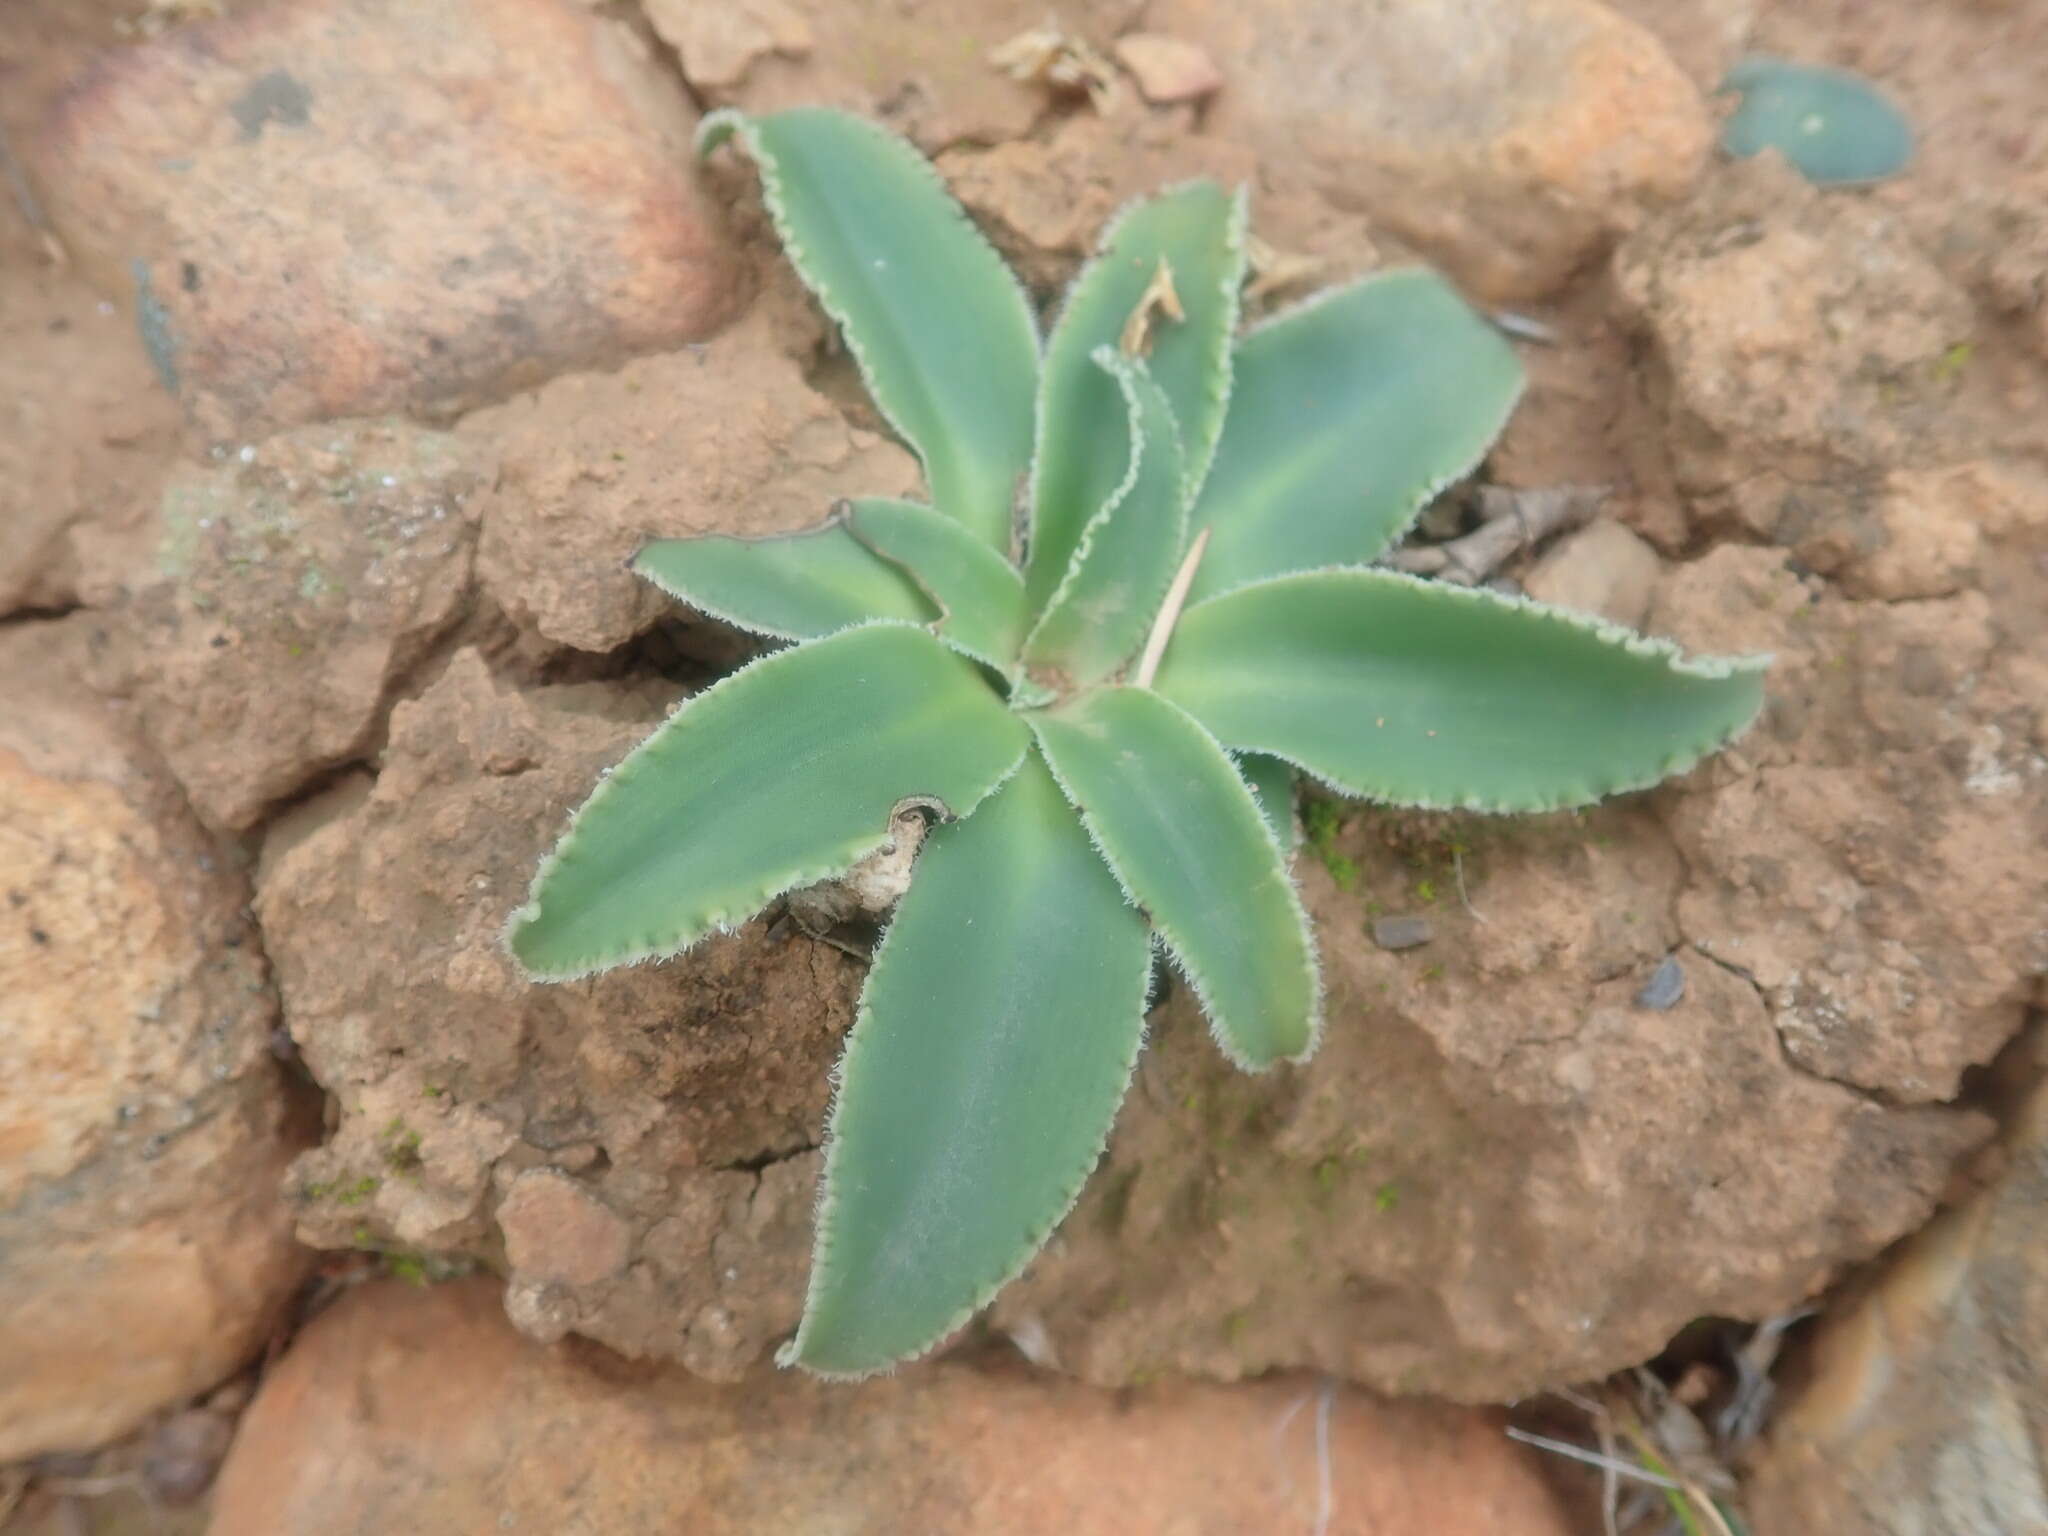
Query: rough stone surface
point(1443, 1178)
point(1430, 1205)
point(890, 60)
point(267, 612)
point(1044, 201)
point(144, 1252)
point(675, 1105)
point(1168, 69)
point(1888, 813)
point(322, 209)
point(1804, 329)
point(1926, 1412)
point(1602, 569)
point(81, 431)
point(723, 438)
point(717, 44)
point(1927, 530)
point(1508, 138)
point(420, 1411)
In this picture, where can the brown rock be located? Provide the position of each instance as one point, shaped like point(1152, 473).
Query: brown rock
point(1796, 334)
point(1044, 201)
point(723, 438)
point(1507, 138)
point(1925, 1411)
point(675, 1104)
point(716, 44)
point(1601, 569)
point(324, 209)
point(84, 425)
point(278, 598)
point(143, 1251)
point(1703, 37)
point(420, 1411)
point(1887, 815)
point(1929, 527)
point(1168, 69)
point(933, 83)
point(1434, 1203)
point(558, 1233)
point(1498, 1174)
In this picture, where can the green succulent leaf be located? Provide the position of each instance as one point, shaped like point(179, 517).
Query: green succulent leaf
point(1347, 415)
point(783, 774)
point(1271, 781)
point(944, 336)
point(1835, 127)
point(1099, 615)
point(795, 586)
point(995, 1040)
point(1420, 693)
point(1198, 230)
point(1167, 808)
point(978, 592)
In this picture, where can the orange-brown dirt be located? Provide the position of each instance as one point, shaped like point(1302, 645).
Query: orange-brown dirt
point(346, 350)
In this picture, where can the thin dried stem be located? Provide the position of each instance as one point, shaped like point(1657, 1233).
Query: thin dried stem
point(1514, 520)
point(1592, 1458)
point(1169, 613)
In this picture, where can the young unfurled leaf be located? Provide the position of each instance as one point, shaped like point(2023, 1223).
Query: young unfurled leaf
point(1197, 230)
point(793, 586)
point(1127, 553)
point(1346, 415)
point(943, 333)
point(978, 592)
point(1418, 693)
point(782, 775)
point(995, 1040)
point(1167, 808)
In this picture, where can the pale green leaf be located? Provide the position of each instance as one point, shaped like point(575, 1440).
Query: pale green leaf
point(943, 334)
point(994, 1043)
point(978, 592)
point(1837, 128)
point(1271, 781)
point(1421, 693)
point(1165, 805)
point(794, 586)
point(1198, 230)
point(1100, 614)
point(1347, 414)
point(783, 774)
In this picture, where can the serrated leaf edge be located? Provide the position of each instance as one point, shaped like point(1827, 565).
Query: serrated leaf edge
point(822, 1211)
point(1429, 490)
point(1708, 668)
point(935, 628)
point(1127, 372)
point(732, 123)
point(1227, 1046)
point(1239, 227)
point(1006, 665)
point(712, 924)
point(1223, 370)
point(836, 518)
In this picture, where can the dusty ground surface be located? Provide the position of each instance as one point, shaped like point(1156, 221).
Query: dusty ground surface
point(345, 351)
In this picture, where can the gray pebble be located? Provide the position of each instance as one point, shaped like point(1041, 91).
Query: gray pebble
point(1400, 932)
point(1665, 986)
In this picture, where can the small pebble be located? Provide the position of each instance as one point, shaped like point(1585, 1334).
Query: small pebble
point(1400, 932)
point(1665, 986)
point(184, 1454)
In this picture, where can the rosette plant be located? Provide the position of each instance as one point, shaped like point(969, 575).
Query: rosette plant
point(1140, 599)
